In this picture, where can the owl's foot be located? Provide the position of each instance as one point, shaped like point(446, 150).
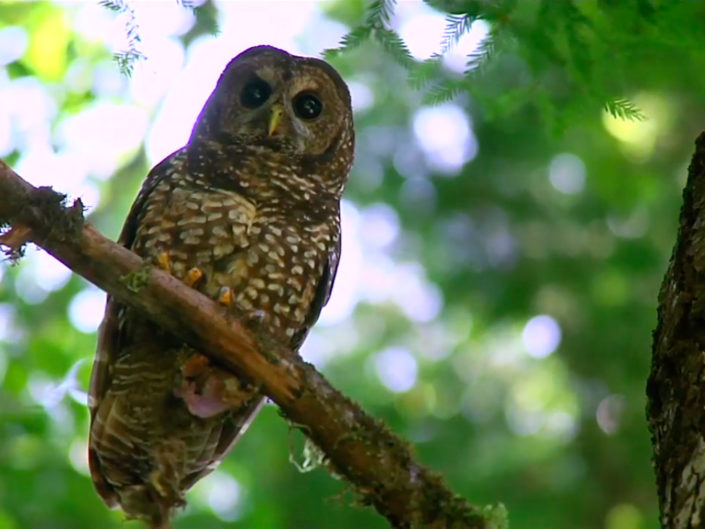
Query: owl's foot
point(193, 277)
point(208, 390)
point(225, 296)
point(164, 261)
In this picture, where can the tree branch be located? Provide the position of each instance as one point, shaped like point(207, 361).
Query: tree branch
point(379, 464)
point(676, 387)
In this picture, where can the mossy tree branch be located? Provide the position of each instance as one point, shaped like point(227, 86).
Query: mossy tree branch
point(676, 388)
point(379, 464)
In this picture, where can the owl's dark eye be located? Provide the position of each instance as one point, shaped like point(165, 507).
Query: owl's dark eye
point(307, 106)
point(255, 93)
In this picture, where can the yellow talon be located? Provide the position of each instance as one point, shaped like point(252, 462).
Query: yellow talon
point(193, 276)
point(164, 261)
point(225, 296)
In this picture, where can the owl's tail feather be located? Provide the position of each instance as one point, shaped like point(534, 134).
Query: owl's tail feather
point(162, 520)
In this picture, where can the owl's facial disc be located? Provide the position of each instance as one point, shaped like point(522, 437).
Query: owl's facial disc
point(265, 116)
point(270, 100)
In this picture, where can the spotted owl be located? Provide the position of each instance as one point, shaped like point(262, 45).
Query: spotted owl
point(248, 213)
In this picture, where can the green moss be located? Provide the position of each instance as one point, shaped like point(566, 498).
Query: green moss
point(135, 280)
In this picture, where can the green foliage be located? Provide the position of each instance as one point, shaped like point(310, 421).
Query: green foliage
point(559, 41)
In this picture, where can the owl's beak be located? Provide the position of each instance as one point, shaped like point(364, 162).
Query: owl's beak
point(275, 119)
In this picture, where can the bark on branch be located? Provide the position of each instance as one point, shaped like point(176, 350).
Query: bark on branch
point(379, 464)
point(676, 387)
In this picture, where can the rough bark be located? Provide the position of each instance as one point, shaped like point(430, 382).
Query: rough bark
point(676, 387)
point(379, 464)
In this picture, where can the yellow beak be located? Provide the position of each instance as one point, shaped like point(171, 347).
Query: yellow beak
point(275, 118)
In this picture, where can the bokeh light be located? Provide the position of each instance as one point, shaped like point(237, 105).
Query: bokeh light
point(397, 369)
point(541, 336)
point(609, 413)
point(444, 134)
point(567, 173)
point(86, 309)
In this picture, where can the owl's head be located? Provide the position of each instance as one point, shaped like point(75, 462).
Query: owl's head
point(271, 99)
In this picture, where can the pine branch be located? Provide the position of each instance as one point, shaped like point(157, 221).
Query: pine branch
point(126, 59)
point(379, 13)
point(445, 91)
point(351, 40)
point(479, 58)
point(358, 447)
point(394, 46)
point(622, 108)
point(456, 27)
point(424, 72)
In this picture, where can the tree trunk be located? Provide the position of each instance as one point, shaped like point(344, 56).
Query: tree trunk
point(676, 387)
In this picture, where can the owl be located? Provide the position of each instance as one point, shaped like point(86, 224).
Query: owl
point(248, 213)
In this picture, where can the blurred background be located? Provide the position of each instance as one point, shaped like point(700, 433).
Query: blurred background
point(502, 249)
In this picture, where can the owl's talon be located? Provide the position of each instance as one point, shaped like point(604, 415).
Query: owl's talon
point(193, 276)
point(164, 261)
point(225, 296)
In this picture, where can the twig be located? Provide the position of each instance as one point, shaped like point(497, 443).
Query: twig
point(358, 447)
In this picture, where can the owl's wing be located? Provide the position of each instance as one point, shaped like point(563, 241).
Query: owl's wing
point(323, 292)
point(109, 332)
